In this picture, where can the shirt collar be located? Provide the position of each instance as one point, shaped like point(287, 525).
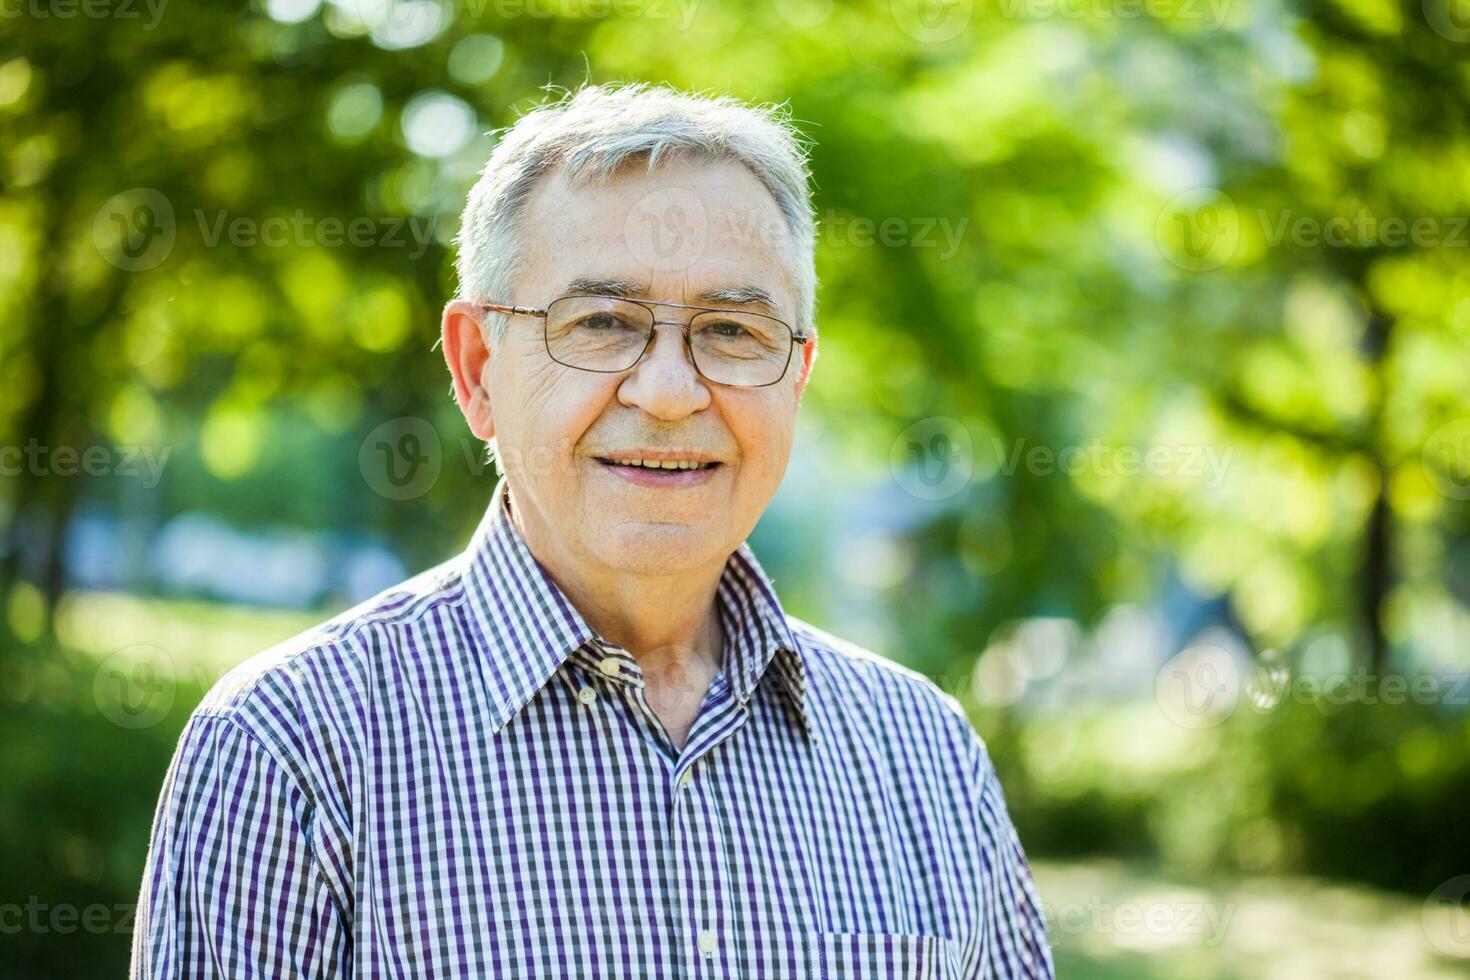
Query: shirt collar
point(527, 628)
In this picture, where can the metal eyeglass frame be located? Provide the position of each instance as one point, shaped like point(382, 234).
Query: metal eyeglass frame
point(796, 338)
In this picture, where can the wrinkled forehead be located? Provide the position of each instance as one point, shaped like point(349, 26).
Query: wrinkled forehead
point(683, 229)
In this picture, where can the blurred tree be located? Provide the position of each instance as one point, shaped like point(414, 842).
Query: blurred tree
point(1102, 231)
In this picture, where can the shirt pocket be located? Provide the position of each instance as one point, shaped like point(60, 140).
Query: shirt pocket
point(871, 955)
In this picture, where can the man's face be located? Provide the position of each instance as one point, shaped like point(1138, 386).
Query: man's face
point(685, 233)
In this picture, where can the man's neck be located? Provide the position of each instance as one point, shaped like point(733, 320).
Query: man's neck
point(669, 623)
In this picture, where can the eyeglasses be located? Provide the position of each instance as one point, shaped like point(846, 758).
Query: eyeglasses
point(610, 334)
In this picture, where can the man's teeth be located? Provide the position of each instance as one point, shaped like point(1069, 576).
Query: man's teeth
point(663, 464)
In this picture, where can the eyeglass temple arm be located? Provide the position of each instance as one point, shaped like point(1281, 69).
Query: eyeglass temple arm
point(519, 310)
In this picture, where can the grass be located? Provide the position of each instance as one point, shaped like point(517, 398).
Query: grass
point(1110, 919)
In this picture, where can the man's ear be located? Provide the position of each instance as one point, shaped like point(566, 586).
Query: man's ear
point(467, 355)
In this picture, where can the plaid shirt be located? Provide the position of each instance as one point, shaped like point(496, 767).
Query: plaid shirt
point(460, 778)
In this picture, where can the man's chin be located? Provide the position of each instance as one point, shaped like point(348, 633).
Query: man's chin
point(655, 548)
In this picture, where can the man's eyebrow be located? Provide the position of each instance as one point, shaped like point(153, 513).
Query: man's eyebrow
point(745, 295)
point(601, 286)
point(737, 296)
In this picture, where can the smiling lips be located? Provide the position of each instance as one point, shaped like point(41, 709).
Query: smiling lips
point(661, 469)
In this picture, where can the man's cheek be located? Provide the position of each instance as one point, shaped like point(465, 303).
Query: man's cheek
point(542, 373)
point(539, 460)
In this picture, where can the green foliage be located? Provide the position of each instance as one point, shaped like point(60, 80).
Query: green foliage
point(1044, 280)
point(1357, 791)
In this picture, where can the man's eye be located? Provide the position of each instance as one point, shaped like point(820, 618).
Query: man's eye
point(726, 328)
point(600, 322)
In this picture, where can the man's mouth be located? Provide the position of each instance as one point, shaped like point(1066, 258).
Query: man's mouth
point(658, 465)
point(663, 471)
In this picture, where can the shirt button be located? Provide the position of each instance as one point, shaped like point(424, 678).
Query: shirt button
point(611, 666)
point(686, 780)
point(586, 695)
point(706, 942)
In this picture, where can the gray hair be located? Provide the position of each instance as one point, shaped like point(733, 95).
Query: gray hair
point(594, 131)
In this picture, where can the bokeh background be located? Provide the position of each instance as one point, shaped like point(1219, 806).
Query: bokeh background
point(1141, 421)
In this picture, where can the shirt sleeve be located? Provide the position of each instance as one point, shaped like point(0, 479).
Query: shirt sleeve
point(232, 888)
point(1013, 941)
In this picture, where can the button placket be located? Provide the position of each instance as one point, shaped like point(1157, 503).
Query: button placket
point(699, 841)
point(696, 814)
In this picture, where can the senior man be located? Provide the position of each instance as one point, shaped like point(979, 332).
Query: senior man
point(594, 744)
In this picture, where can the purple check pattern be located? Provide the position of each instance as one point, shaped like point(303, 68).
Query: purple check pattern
point(460, 778)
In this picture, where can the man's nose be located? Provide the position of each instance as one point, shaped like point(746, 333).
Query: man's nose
point(665, 383)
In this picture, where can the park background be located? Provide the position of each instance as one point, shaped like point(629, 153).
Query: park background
point(1141, 421)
